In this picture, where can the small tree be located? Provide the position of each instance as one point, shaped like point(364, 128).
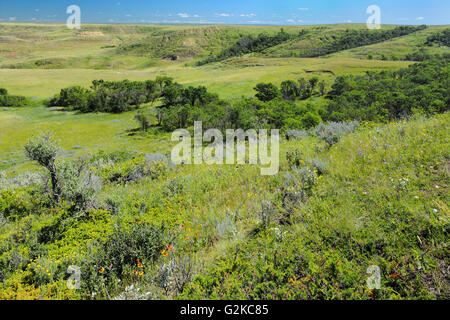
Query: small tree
point(289, 90)
point(322, 87)
point(313, 83)
point(266, 91)
point(43, 150)
point(143, 120)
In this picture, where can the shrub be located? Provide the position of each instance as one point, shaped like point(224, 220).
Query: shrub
point(15, 204)
point(310, 120)
point(78, 184)
point(266, 91)
point(127, 249)
point(43, 150)
point(27, 179)
point(12, 101)
point(332, 132)
point(70, 181)
point(143, 120)
point(134, 169)
point(295, 158)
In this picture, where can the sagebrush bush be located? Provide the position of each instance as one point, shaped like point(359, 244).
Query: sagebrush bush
point(27, 179)
point(78, 184)
point(333, 131)
point(43, 149)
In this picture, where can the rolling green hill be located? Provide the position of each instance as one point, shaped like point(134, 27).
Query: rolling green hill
point(349, 195)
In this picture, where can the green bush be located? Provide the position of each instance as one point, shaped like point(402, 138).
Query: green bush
point(127, 250)
point(132, 170)
point(12, 101)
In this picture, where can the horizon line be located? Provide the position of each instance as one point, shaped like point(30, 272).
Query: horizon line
point(211, 24)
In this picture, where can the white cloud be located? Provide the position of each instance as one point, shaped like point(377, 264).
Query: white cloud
point(419, 18)
point(12, 18)
point(183, 15)
point(349, 21)
point(248, 15)
point(290, 21)
point(223, 14)
point(128, 15)
point(303, 9)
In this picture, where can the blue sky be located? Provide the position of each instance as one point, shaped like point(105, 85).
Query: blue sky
point(278, 12)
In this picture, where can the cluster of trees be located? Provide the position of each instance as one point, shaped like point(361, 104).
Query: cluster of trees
point(421, 55)
point(245, 113)
point(7, 100)
point(301, 89)
point(251, 44)
point(375, 96)
point(109, 96)
point(357, 38)
point(180, 107)
point(387, 95)
point(441, 38)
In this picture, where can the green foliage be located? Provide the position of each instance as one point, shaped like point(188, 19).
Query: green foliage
point(370, 207)
point(7, 100)
point(440, 38)
point(126, 249)
point(250, 44)
point(18, 203)
point(143, 120)
point(357, 38)
point(132, 170)
point(107, 96)
point(384, 96)
point(266, 91)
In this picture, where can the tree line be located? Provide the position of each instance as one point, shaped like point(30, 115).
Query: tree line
point(440, 38)
point(358, 38)
point(250, 44)
point(376, 96)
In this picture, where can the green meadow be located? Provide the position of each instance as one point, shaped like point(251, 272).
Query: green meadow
point(376, 195)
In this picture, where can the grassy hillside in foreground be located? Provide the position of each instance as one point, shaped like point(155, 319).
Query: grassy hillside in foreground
point(377, 197)
point(381, 198)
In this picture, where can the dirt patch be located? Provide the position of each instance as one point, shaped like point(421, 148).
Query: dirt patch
point(9, 39)
point(90, 34)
